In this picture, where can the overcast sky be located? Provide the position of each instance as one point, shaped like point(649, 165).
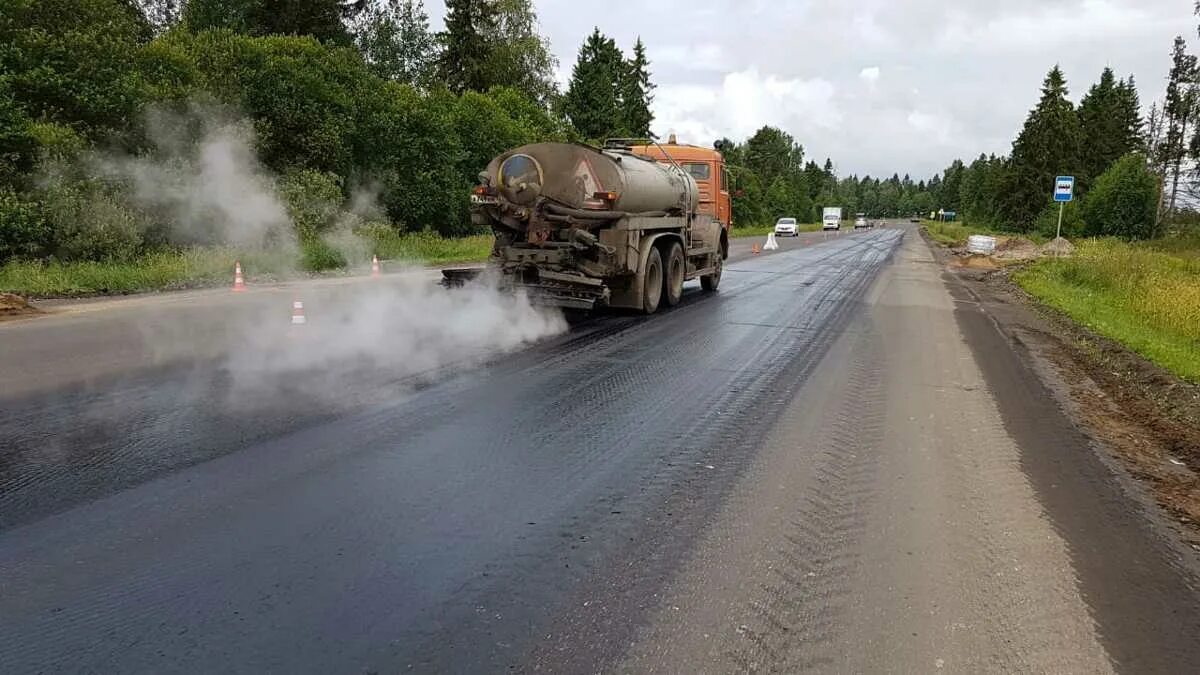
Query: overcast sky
point(881, 86)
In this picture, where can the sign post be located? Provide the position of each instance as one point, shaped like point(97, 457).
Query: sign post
point(1064, 191)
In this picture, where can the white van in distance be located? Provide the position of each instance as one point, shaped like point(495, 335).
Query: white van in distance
point(832, 218)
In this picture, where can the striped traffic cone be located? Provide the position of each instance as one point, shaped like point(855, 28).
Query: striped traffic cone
point(239, 283)
point(298, 318)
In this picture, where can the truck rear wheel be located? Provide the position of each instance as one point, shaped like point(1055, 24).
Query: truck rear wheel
point(652, 282)
point(675, 271)
point(709, 282)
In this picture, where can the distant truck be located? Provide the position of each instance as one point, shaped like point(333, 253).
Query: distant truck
point(832, 218)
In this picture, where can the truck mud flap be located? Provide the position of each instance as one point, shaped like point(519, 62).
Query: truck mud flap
point(457, 277)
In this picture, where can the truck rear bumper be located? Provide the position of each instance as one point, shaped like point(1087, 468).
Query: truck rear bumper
point(550, 289)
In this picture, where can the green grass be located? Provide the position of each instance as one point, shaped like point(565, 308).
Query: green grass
point(764, 230)
point(201, 267)
point(955, 233)
point(167, 270)
point(430, 249)
point(1137, 294)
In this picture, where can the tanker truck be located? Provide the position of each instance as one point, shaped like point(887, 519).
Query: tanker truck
point(582, 227)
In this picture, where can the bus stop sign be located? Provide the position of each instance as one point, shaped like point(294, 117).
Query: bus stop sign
point(1064, 188)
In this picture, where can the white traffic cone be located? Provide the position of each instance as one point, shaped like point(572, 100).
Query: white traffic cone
point(771, 244)
point(298, 318)
point(239, 282)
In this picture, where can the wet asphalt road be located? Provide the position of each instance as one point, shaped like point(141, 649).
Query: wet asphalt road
point(150, 526)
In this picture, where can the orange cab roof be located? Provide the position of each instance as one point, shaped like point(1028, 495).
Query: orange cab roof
point(679, 152)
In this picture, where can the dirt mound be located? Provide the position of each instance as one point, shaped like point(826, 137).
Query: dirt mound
point(14, 305)
point(1059, 247)
point(976, 262)
point(1016, 248)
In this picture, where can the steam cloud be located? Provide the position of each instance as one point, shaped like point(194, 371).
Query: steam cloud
point(204, 181)
point(404, 329)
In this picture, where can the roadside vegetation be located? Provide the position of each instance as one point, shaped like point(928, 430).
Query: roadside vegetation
point(1135, 273)
point(212, 266)
point(142, 141)
point(1145, 296)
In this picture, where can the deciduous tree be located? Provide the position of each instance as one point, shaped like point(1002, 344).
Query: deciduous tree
point(395, 40)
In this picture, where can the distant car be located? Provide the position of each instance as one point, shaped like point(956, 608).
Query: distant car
point(787, 227)
point(861, 222)
point(914, 220)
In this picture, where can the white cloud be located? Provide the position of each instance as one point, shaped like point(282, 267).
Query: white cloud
point(743, 102)
point(960, 77)
point(689, 57)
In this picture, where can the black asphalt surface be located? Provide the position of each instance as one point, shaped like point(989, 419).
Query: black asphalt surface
point(150, 527)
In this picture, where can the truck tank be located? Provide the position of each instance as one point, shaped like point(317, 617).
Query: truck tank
point(582, 178)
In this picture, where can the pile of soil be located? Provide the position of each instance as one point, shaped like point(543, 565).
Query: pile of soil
point(976, 261)
point(1016, 248)
point(1058, 247)
point(14, 305)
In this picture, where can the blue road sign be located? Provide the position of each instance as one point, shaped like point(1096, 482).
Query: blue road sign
point(1064, 188)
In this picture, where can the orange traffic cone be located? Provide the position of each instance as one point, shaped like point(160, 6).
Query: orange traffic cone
point(754, 249)
point(298, 318)
point(239, 283)
point(374, 265)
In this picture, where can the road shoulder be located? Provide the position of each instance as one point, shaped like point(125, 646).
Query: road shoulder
point(1141, 419)
point(891, 524)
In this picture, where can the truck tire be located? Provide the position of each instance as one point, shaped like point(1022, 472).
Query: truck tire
point(674, 272)
point(652, 282)
point(709, 282)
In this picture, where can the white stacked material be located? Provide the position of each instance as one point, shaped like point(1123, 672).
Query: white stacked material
point(984, 245)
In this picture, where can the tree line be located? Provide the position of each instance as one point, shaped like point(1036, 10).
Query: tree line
point(772, 179)
point(344, 97)
point(1137, 176)
point(337, 97)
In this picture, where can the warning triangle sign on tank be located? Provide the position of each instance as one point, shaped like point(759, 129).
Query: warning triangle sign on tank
point(587, 184)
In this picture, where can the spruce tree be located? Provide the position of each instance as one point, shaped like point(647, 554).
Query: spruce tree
point(1099, 130)
point(1109, 125)
point(592, 101)
point(466, 58)
point(1129, 112)
point(1179, 112)
point(1048, 145)
point(949, 192)
point(637, 92)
